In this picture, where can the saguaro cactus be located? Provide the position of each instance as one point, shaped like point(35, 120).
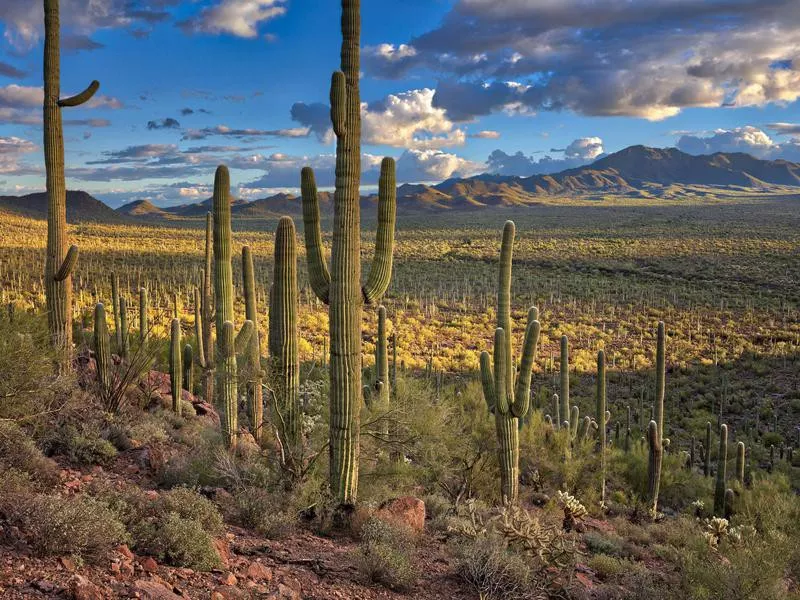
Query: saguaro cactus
point(283, 349)
point(255, 401)
point(175, 365)
point(601, 420)
point(341, 288)
point(740, 459)
point(707, 452)
point(60, 261)
point(564, 372)
point(655, 436)
point(206, 315)
point(507, 399)
point(722, 472)
point(125, 345)
point(377, 396)
point(144, 308)
point(556, 412)
point(188, 372)
point(102, 351)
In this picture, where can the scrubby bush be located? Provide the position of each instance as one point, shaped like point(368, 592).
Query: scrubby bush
point(265, 513)
point(18, 451)
point(189, 504)
point(81, 445)
point(386, 554)
point(493, 571)
point(178, 541)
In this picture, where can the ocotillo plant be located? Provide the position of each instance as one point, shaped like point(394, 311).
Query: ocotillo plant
point(656, 439)
point(564, 372)
point(341, 288)
point(255, 403)
point(722, 471)
point(601, 419)
point(188, 372)
point(508, 399)
point(60, 260)
point(102, 352)
point(377, 395)
point(175, 365)
point(283, 349)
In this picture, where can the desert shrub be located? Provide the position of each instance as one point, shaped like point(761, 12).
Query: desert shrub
point(598, 543)
point(178, 541)
point(264, 512)
point(79, 525)
point(609, 567)
point(493, 571)
point(82, 445)
point(386, 554)
point(148, 432)
point(189, 504)
point(18, 451)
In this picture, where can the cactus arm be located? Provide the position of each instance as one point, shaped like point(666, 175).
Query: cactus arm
point(143, 310)
point(380, 273)
point(522, 393)
point(318, 274)
point(226, 383)
point(102, 350)
point(70, 260)
point(339, 103)
point(81, 98)
point(487, 380)
point(242, 342)
point(504, 306)
point(556, 411)
point(500, 369)
point(198, 330)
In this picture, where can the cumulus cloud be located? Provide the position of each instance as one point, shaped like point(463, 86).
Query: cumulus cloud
point(409, 120)
point(641, 58)
point(168, 123)
point(416, 166)
point(317, 117)
point(11, 151)
point(748, 139)
point(240, 18)
point(578, 153)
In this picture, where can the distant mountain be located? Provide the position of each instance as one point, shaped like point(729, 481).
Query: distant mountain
point(637, 171)
point(81, 207)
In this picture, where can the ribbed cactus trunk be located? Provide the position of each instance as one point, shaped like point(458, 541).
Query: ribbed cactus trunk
point(656, 438)
point(707, 452)
point(175, 365)
point(508, 399)
point(255, 403)
point(60, 260)
point(740, 460)
point(226, 368)
point(102, 351)
point(283, 348)
point(564, 372)
point(341, 287)
point(722, 472)
point(601, 419)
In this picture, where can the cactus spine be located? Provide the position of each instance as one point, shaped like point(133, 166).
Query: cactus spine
point(722, 474)
point(283, 350)
point(60, 260)
point(175, 365)
point(102, 352)
point(507, 399)
point(255, 401)
point(564, 372)
point(227, 388)
point(656, 438)
point(601, 420)
point(341, 287)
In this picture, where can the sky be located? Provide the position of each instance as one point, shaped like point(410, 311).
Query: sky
point(450, 88)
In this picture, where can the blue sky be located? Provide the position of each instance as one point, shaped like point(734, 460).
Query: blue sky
point(451, 88)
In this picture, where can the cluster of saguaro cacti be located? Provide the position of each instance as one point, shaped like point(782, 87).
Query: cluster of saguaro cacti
point(60, 260)
point(255, 404)
point(175, 365)
point(377, 396)
point(227, 343)
point(508, 399)
point(655, 430)
point(283, 350)
point(341, 288)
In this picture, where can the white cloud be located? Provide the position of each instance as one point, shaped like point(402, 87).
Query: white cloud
point(587, 148)
point(11, 151)
point(486, 134)
point(415, 166)
point(579, 152)
point(748, 139)
point(240, 18)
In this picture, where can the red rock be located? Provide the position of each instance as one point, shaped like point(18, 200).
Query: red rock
point(125, 552)
point(228, 592)
point(149, 565)
point(259, 572)
point(67, 563)
point(408, 511)
point(152, 590)
point(223, 550)
point(284, 592)
point(83, 589)
point(229, 579)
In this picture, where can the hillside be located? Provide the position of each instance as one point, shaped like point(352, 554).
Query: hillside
point(81, 207)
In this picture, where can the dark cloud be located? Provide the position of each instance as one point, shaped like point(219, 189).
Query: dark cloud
point(785, 128)
point(225, 131)
point(8, 70)
point(315, 116)
point(168, 123)
point(642, 58)
point(187, 111)
point(77, 42)
point(579, 153)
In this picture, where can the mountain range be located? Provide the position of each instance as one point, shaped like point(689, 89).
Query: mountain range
point(636, 171)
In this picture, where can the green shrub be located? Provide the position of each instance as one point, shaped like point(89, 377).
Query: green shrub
point(492, 570)
point(177, 541)
point(598, 543)
point(17, 451)
point(82, 446)
point(189, 504)
point(265, 513)
point(386, 554)
point(79, 525)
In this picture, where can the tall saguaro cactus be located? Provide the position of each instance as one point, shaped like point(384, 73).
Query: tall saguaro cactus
point(60, 260)
point(722, 471)
point(206, 314)
point(341, 287)
point(255, 401)
point(601, 420)
point(564, 372)
point(175, 365)
point(508, 399)
point(655, 431)
point(283, 348)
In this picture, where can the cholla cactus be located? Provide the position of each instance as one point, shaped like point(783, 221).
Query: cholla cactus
point(574, 511)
